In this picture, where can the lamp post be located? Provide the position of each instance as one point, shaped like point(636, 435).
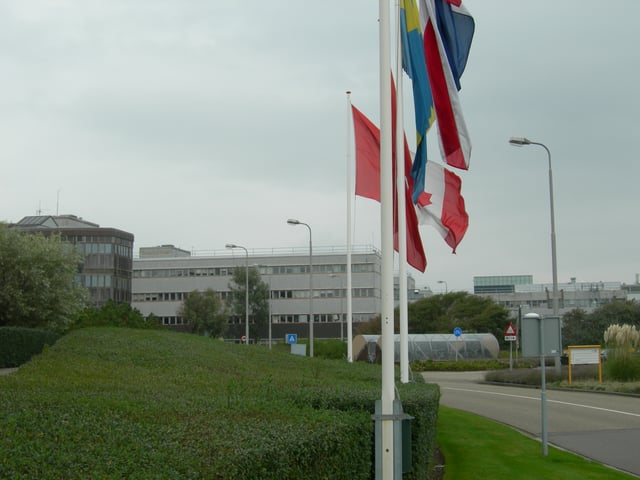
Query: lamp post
point(293, 221)
point(246, 288)
point(519, 142)
point(333, 275)
point(446, 286)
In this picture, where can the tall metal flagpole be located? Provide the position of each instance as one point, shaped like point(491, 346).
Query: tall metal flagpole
point(386, 223)
point(402, 215)
point(349, 239)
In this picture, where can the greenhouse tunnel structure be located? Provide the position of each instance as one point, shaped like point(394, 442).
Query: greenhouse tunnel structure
point(433, 346)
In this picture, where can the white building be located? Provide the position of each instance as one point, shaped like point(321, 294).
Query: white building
point(519, 291)
point(164, 275)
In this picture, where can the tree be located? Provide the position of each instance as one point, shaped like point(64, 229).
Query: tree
point(258, 296)
point(204, 313)
point(618, 311)
point(442, 313)
point(582, 328)
point(114, 314)
point(472, 313)
point(37, 281)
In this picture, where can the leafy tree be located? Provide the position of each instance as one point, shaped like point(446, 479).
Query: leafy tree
point(258, 296)
point(115, 315)
point(582, 328)
point(204, 313)
point(472, 313)
point(442, 313)
point(618, 311)
point(37, 281)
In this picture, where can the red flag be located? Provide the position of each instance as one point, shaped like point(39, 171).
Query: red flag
point(367, 140)
point(367, 156)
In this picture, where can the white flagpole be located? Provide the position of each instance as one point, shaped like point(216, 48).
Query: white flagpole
point(386, 225)
point(402, 214)
point(349, 239)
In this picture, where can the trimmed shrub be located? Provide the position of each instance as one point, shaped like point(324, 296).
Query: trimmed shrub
point(19, 344)
point(127, 403)
point(460, 366)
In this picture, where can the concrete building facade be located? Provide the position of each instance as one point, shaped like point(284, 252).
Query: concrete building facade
point(518, 291)
point(164, 275)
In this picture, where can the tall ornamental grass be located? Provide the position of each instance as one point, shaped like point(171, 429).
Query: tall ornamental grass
point(622, 363)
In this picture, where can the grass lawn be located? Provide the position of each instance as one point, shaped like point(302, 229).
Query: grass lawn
point(476, 448)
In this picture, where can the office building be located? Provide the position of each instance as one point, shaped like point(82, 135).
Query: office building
point(107, 254)
point(164, 275)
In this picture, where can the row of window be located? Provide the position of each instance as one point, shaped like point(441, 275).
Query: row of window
point(95, 281)
point(563, 303)
point(96, 244)
point(97, 239)
point(103, 281)
point(275, 294)
point(266, 270)
point(301, 318)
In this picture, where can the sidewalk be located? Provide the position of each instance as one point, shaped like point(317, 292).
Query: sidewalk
point(7, 371)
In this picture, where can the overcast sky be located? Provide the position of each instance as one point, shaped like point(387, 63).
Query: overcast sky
point(200, 123)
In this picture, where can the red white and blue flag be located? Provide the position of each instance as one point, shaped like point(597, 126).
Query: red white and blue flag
point(447, 33)
point(441, 205)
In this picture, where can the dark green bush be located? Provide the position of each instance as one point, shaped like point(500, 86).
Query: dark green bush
point(127, 403)
point(18, 344)
point(113, 314)
point(459, 366)
point(332, 349)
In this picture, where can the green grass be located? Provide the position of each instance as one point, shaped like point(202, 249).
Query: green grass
point(478, 448)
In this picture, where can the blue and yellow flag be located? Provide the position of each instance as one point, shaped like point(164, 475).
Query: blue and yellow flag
point(413, 62)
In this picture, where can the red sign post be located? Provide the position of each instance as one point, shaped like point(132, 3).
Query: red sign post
point(510, 335)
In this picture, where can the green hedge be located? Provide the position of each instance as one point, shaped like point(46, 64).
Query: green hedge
point(18, 344)
point(124, 403)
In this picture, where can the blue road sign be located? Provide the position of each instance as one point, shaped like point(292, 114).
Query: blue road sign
point(292, 338)
point(457, 331)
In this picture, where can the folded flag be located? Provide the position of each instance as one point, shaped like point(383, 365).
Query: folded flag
point(441, 204)
point(413, 63)
point(447, 33)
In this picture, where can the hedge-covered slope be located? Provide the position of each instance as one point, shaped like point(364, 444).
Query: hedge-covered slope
point(122, 403)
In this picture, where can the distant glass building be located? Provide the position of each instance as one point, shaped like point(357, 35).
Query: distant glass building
point(106, 268)
point(500, 283)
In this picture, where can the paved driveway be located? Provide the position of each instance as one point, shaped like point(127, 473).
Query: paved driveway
point(603, 427)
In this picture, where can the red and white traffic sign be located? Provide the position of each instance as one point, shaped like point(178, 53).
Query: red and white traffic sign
point(510, 333)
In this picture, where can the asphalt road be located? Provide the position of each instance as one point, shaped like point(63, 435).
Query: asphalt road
point(602, 427)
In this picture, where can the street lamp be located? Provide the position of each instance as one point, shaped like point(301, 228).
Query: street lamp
point(246, 288)
point(292, 221)
point(519, 142)
point(446, 287)
point(333, 275)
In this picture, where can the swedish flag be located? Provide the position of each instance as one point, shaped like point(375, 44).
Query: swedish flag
point(413, 62)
